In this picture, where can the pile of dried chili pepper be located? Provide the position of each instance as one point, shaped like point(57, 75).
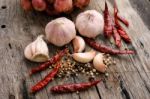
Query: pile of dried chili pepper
point(112, 26)
point(61, 65)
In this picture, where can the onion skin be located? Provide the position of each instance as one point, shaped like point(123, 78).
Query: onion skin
point(26, 5)
point(50, 1)
point(63, 5)
point(81, 3)
point(39, 5)
point(98, 63)
point(90, 23)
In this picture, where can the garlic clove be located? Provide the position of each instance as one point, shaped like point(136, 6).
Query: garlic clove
point(78, 44)
point(84, 57)
point(98, 63)
point(37, 51)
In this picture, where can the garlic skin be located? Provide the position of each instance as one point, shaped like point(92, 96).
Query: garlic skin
point(37, 51)
point(78, 44)
point(84, 57)
point(98, 63)
point(90, 23)
point(60, 31)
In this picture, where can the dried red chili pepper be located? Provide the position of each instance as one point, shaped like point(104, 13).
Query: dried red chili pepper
point(46, 80)
point(117, 37)
point(124, 36)
point(108, 22)
point(105, 49)
point(123, 20)
point(73, 87)
point(53, 60)
point(120, 29)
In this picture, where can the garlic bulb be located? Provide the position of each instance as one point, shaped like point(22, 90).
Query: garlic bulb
point(90, 23)
point(60, 31)
point(98, 63)
point(78, 44)
point(37, 51)
point(84, 57)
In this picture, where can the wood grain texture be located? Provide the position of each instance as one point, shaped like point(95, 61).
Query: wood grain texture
point(129, 79)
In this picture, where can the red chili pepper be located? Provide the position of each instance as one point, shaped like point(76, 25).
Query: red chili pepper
point(124, 35)
point(53, 60)
point(117, 37)
point(73, 87)
point(123, 20)
point(120, 29)
point(105, 49)
point(108, 22)
point(46, 80)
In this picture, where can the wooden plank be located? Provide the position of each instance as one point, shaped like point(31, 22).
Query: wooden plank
point(129, 78)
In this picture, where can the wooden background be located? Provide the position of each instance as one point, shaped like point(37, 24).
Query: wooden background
point(130, 79)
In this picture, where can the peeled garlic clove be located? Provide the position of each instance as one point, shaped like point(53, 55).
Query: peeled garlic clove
point(60, 31)
point(37, 51)
point(98, 63)
point(90, 23)
point(84, 57)
point(78, 44)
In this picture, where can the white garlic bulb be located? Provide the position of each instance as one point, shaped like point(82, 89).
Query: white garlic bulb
point(90, 23)
point(78, 44)
point(98, 63)
point(37, 51)
point(84, 57)
point(60, 31)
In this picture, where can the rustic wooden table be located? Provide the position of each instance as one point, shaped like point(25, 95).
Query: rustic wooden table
point(129, 79)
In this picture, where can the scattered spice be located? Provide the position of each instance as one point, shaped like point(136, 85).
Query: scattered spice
point(53, 60)
point(46, 80)
point(73, 87)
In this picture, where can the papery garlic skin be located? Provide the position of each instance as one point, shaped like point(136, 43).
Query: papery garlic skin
point(37, 51)
point(99, 64)
point(90, 23)
point(78, 44)
point(60, 31)
point(84, 57)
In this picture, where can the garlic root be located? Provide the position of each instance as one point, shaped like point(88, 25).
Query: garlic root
point(84, 57)
point(98, 63)
point(78, 44)
point(37, 51)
